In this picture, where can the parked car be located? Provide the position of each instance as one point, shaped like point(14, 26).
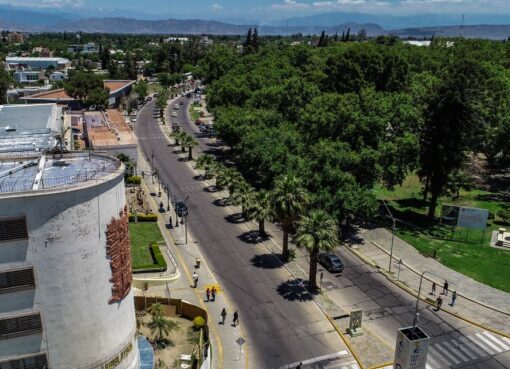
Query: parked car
point(176, 127)
point(133, 119)
point(181, 209)
point(202, 128)
point(188, 95)
point(331, 262)
point(149, 98)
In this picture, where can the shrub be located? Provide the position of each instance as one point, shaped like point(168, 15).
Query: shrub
point(157, 256)
point(151, 217)
point(198, 322)
point(134, 180)
point(504, 215)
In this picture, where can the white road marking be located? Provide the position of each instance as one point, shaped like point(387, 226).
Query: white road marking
point(433, 361)
point(473, 347)
point(481, 345)
point(507, 340)
point(456, 352)
point(464, 348)
point(427, 366)
point(444, 351)
point(502, 344)
point(489, 343)
point(438, 356)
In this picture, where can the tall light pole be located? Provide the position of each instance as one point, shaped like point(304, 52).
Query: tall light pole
point(392, 236)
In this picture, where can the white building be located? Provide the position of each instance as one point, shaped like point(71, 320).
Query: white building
point(28, 76)
point(37, 63)
point(65, 264)
point(57, 76)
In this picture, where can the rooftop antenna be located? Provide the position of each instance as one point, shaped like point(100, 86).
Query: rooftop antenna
point(60, 138)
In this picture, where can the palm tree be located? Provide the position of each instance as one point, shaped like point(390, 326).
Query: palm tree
point(176, 135)
point(156, 310)
point(316, 231)
point(289, 200)
point(243, 196)
point(161, 327)
point(228, 178)
point(206, 163)
point(261, 209)
point(191, 142)
point(184, 137)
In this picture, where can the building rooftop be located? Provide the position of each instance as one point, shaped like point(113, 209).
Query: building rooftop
point(29, 127)
point(18, 59)
point(61, 96)
point(35, 173)
point(113, 132)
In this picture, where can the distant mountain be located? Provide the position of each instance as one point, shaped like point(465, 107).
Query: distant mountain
point(488, 31)
point(33, 20)
point(389, 21)
point(167, 26)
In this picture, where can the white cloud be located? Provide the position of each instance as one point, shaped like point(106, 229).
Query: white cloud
point(215, 7)
point(290, 5)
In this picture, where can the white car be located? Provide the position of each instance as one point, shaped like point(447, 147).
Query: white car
point(174, 114)
point(176, 107)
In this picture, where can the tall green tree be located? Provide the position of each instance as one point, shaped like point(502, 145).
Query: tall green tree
point(87, 87)
point(4, 85)
point(289, 199)
point(316, 232)
point(261, 209)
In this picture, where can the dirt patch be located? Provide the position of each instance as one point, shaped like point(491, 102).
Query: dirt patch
point(183, 340)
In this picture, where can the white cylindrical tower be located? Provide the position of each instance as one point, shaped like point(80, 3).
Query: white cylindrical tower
point(65, 264)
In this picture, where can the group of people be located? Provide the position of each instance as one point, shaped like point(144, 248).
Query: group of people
point(210, 294)
point(439, 300)
point(235, 320)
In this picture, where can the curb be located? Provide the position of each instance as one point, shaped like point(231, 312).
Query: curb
point(414, 293)
point(430, 280)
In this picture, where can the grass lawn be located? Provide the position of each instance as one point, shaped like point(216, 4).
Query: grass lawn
point(466, 251)
point(194, 114)
point(141, 234)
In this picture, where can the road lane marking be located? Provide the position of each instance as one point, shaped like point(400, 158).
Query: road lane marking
point(456, 352)
point(489, 343)
point(465, 350)
point(439, 358)
point(481, 345)
point(333, 356)
point(445, 352)
point(502, 344)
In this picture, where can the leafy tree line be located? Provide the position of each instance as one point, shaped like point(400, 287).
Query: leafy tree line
point(346, 116)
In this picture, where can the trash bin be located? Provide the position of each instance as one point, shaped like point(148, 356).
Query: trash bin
point(197, 263)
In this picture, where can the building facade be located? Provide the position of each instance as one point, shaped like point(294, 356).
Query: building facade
point(65, 264)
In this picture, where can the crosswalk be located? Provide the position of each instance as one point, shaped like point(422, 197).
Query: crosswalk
point(455, 352)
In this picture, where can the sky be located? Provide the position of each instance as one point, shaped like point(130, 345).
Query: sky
point(267, 9)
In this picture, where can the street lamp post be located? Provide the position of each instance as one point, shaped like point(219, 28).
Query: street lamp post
point(167, 198)
point(416, 314)
point(392, 236)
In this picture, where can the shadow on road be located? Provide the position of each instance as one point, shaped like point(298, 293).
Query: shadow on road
point(185, 160)
point(266, 261)
point(236, 218)
point(253, 237)
point(211, 189)
point(294, 290)
point(221, 202)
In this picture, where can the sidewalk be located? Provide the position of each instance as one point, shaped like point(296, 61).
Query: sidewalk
point(228, 349)
point(476, 302)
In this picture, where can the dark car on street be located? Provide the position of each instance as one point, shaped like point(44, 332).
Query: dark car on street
point(181, 209)
point(331, 262)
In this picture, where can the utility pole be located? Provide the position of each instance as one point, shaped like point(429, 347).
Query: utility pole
point(392, 236)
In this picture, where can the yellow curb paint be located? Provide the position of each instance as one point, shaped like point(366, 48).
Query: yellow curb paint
point(345, 341)
point(431, 303)
point(382, 365)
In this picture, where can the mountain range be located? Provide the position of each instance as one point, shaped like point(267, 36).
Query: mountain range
point(426, 25)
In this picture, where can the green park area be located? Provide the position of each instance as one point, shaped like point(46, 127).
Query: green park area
point(194, 113)
point(142, 236)
point(467, 251)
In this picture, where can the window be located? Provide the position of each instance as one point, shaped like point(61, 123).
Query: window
point(16, 280)
point(20, 326)
point(13, 229)
point(32, 362)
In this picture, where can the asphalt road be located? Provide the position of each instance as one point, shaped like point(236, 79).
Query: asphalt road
point(279, 329)
point(286, 330)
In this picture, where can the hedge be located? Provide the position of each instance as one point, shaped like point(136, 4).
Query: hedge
point(151, 217)
point(159, 262)
point(134, 180)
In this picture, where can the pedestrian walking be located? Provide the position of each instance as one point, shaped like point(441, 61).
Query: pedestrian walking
point(195, 279)
point(445, 288)
point(208, 294)
point(433, 291)
point(300, 365)
point(223, 316)
point(454, 297)
point(213, 294)
point(439, 302)
point(235, 321)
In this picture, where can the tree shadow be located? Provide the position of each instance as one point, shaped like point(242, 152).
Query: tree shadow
point(294, 290)
point(199, 177)
point(412, 202)
point(221, 202)
point(211, 189)
point(253, 237)
point(236, 218)
point(177, 152)
point(266, 261)
point(184, 160)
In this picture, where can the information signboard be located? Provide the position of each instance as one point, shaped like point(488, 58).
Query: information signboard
point(462, 216)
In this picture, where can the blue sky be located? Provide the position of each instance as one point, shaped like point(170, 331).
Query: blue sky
point(268, 9)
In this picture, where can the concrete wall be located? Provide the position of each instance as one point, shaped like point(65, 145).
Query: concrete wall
point(67, 247)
